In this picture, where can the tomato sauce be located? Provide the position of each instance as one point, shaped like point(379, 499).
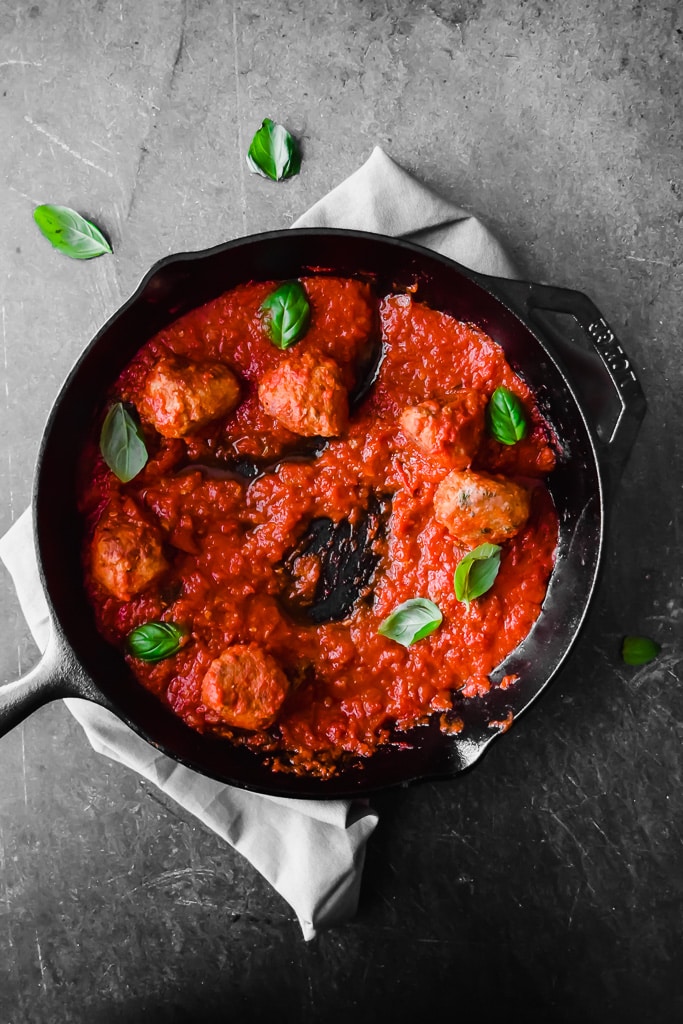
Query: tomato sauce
point(227, 537)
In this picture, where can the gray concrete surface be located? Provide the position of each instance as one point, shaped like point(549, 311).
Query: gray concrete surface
point(560, 125)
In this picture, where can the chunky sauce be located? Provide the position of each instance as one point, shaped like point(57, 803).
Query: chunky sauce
point(226, 537)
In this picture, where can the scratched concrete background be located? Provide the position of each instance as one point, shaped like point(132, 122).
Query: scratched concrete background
point(548, 880)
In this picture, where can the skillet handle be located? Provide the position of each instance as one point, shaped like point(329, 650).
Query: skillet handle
point(56, 675)
point(601, 373)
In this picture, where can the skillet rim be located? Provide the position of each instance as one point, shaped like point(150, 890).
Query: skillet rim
point(336, 786)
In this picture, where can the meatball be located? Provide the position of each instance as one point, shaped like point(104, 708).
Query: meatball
point(180, 396)
point(126, 554)
point(244, 687)
point(477, 508)
point(448, 435)
point(306, 394)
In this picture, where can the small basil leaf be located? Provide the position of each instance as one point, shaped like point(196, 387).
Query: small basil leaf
point(505, 417)
point(273, 152)
point(639, 650)
point(121, 443)
point(70, 233)
point(411, 621)
point(154, 641)
point(285, 314)
point(475, 573)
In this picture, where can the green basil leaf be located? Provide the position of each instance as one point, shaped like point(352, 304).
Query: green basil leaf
point(285, 314)
point(505, 417)
point(639, 650)
point(122, 444)
point(411, 621)
point(475, 573)
point(273, 152)
point(154, 641)
point(70, 233)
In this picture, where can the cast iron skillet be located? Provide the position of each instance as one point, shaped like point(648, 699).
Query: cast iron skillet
point(596, 414)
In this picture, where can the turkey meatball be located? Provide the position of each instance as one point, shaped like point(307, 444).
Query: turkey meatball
point(447, 434)
point(181, 396)
point(244, 687)
point(126, 552)
point(478, 508)
point(306, 394)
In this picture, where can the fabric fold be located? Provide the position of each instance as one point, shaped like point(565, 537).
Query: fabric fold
point(381, 197)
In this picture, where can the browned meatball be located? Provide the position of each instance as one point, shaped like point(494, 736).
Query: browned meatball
point(180, 396)
point(305, 393)
point(244, 687)
point(449, 434)
point(126, 553)
point(478, 508)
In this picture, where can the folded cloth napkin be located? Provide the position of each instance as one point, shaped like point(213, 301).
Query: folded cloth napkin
point(380, 196)
point(312, 852)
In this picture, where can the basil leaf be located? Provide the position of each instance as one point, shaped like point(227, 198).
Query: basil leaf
point(155, 641)
point(273, 152)
point(505, 417)
point(639, 650)
point(285, 314)
point(70, 233)
point(411, 621)
point(475, 573)
point(122, 444)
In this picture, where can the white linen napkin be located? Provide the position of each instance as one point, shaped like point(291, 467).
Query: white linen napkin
point(311, 851)
point(380, 196)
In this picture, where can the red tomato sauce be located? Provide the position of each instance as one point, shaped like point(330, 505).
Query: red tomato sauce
point(225, 538)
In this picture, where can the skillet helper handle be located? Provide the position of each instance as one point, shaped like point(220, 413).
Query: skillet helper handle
point(56, 675)
point(601, 372)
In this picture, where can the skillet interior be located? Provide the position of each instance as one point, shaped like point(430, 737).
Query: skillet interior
point(183, 282)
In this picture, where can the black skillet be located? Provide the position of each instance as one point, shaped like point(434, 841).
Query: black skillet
point(586, 389)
